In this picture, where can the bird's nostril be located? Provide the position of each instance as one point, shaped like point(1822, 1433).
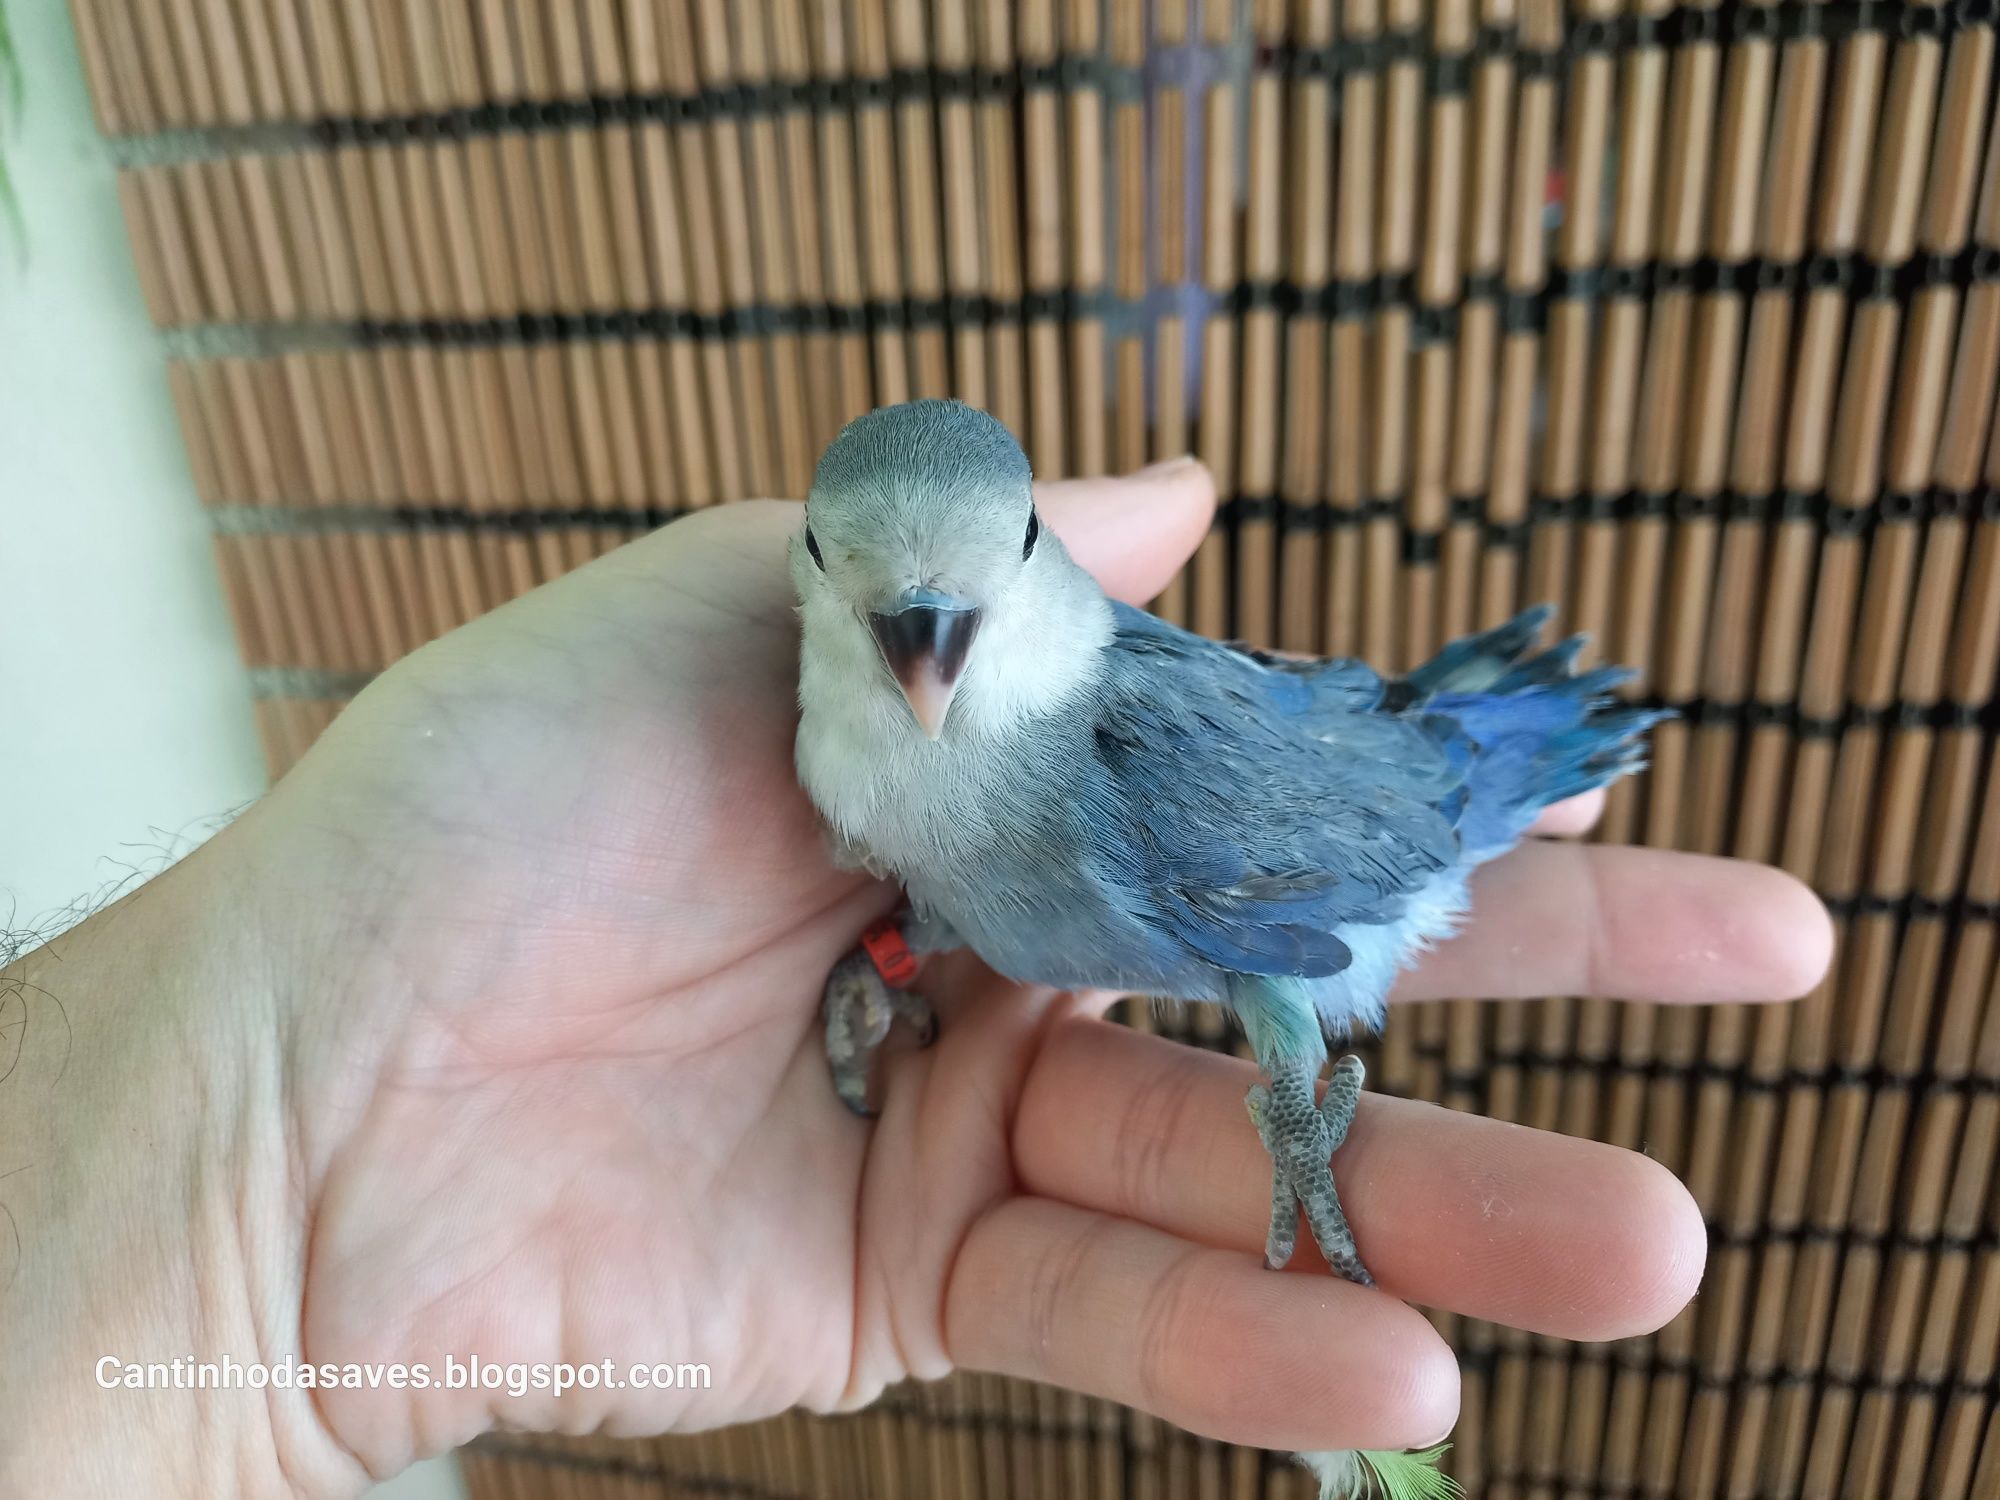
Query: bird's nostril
point(929, 596)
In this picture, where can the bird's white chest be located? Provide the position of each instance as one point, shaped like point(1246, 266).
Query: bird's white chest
point(893, 796)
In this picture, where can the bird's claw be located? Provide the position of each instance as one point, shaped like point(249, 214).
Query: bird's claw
point(1302, 1136)
point(859, 1009)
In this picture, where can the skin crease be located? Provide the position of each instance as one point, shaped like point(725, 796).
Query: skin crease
point(493, 1029)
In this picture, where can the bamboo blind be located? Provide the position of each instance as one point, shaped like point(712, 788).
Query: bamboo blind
point(1687, 317)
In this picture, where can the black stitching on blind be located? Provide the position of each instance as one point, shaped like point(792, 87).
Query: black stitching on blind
point(1829, 273)
point(1538, 64)
point(1244, 508)
point(1674, 276)
point(1738, 1077)
point(1496, 39)
point(1481, 286)
point(1368, 53)
point(1350, 299)
point(1450, 74)
point(1314, 63)
point(1922, 21)
point(1776, 276)
point(1685, 26)
point(1951, 505)
point(1521, 312)
point(1401, 47)
point(1434, 325)
point(1720, 276)
point(1940, 270)
point(1625, 281)
point(1250, 296)
point(1901, 507)
point(1575, 281)
point(1699, 26)
point(1753, 23)
point(1877, 281)
point(1594, 34)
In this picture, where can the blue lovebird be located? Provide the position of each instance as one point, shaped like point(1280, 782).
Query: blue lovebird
point(1089, 797)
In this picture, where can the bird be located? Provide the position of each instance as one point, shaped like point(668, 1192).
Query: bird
point(1090, 797)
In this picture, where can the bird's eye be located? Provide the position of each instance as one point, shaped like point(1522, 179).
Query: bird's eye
point(812, 546)
point(1034, 530)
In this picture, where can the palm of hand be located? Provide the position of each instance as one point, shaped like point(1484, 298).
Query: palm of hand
point(570, 1104)
point(605, 1109)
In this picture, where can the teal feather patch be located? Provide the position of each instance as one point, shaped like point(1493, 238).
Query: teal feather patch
point(1381, 1474)
point(1411, 1476)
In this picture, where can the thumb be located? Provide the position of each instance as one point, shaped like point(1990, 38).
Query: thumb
point(1133, 533)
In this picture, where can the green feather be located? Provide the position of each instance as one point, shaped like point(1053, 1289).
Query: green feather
point(10, 70)
point(1376, 1474)
point(1409, 1476)
point(11, 92)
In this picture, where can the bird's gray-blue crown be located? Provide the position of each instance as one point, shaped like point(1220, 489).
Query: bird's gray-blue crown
point(929, 494)
point(921, 520)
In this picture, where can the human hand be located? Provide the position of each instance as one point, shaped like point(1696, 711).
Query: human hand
point(518, 1022)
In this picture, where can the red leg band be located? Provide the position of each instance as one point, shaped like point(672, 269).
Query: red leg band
point(891, 956)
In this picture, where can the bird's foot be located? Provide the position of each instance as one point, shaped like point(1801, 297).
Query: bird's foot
point(860, 1006)
point(1301, 1136)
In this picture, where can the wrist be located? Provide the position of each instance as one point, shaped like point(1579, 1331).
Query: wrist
point(148, 1171)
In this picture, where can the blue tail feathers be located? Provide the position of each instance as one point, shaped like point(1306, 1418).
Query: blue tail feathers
point(1535, 730)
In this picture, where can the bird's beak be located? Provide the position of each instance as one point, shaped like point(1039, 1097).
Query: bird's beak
point(924, 640)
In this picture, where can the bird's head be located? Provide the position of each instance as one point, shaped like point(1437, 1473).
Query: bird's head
point(922, 550)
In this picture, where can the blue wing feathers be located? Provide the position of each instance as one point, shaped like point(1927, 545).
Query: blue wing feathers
point(1479, 661)
point(1552, 665)
point(1265, 804)
point(1545, 731)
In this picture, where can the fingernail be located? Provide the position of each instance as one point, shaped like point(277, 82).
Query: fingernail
point(1167, 467)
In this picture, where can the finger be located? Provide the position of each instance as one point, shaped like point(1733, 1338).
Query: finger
point(1209, 1341)
point(1544, 1232)
point(1630, 924)
point(1569, 818)
point(1133, 533)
